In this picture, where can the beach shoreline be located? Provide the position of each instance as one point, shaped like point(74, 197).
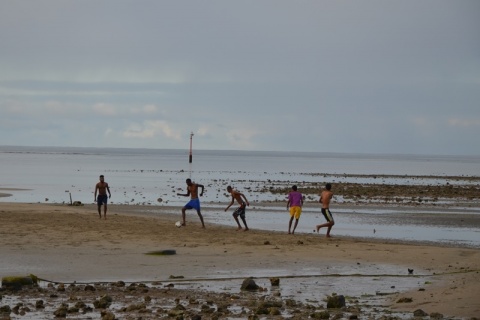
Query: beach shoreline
point(71, 244)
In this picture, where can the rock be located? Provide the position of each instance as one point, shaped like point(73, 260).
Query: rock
point(61, 312)
point(16, 283)
point(5, 310)
point(419, 313)
point(39, 304)
point(320, 315)
point(249, 285)
point(89, 287)
point(436, 315)
point(335, 302)
point(103, 303)
point(404, 300)
point(275, 282)
point(107, 315)
point(77, 203)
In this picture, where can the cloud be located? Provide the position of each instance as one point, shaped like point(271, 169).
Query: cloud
point(151, 129)
point(104, 109)
point(457, 122)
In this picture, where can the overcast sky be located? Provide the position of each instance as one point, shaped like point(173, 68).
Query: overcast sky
point(329, 76)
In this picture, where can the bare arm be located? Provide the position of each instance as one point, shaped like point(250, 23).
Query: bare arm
point(230, 204)
point(245, 198)
point(201, 187)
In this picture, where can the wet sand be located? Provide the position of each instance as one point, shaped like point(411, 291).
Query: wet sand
point(66, 244)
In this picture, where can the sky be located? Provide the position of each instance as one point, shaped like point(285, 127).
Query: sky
point(398, 77)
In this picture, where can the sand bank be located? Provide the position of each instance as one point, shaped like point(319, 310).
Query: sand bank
point(66, 244)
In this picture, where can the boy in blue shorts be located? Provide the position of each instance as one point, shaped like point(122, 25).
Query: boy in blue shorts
point(194, 203)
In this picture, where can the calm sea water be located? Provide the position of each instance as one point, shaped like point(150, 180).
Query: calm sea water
point(142, 176)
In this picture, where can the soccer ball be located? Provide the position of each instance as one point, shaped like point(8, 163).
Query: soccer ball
point(178, 224)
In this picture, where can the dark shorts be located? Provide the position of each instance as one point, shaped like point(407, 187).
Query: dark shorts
point(102, 199)
point(240, 211)
point(327, 214)
point(193, 204)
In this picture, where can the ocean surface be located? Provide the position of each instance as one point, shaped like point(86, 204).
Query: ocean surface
point(154, 176)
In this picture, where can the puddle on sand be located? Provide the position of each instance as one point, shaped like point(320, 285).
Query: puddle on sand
point(365, 287)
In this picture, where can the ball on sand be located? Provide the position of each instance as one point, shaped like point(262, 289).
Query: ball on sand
point(178, 224)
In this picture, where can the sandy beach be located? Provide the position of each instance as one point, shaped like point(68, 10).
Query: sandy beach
point(66, 244)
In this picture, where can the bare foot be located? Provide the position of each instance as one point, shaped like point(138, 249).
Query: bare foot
point(239, 228)
point(318, 228)
point(328, 236)
point(246, 229)
point(184, 224)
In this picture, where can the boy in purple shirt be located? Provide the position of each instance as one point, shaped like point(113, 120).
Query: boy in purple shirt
point(294, 204)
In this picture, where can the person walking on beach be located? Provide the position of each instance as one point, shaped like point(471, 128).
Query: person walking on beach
point(194, 203)
point(325, 197)
point(240, 211)
point(102, 199)
point(294, 204)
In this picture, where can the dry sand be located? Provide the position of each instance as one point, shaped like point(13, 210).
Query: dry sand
point(65, 244)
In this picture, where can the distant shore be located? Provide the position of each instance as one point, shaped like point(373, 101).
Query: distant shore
point(67, 244)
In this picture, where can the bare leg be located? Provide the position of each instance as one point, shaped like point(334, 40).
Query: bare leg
point(105, 212)
point(290, 224)
point(238, 222)
point(327, 224)
point(245, 223)
point(294, 226)
point(99, 211)
point(201, 218)
point(184, 223)
point(330, 228)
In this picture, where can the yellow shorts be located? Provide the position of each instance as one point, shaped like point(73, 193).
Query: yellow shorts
point(295, 212)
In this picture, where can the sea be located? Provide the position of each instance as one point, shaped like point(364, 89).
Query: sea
point(153, 177)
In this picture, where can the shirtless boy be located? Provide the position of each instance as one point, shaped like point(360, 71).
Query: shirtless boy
point(240, 211)
point(325, 197)
point(194, 203)
point(102, 188)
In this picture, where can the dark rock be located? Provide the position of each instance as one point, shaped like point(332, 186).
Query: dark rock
point(39, 304)
point(61, 312)
point(436, 315)
point(103, 303)
point(405, 300)
point(419, 313)
point(249, 285)
point(16, 283)
point(89, 287)
point(335, 302)
point(275, 282)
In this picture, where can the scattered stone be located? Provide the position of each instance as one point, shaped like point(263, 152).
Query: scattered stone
point(89, 287)
point(62, 311)
point(275, 282)
point(39, 304)
point(419, 313)
point(16, 283)
point(320, 315)
point(266, 242)
point(103, 303)
point(335, 301)
point(405, 300)
point(107, 315)
point(249, 285)
point(436, 315)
